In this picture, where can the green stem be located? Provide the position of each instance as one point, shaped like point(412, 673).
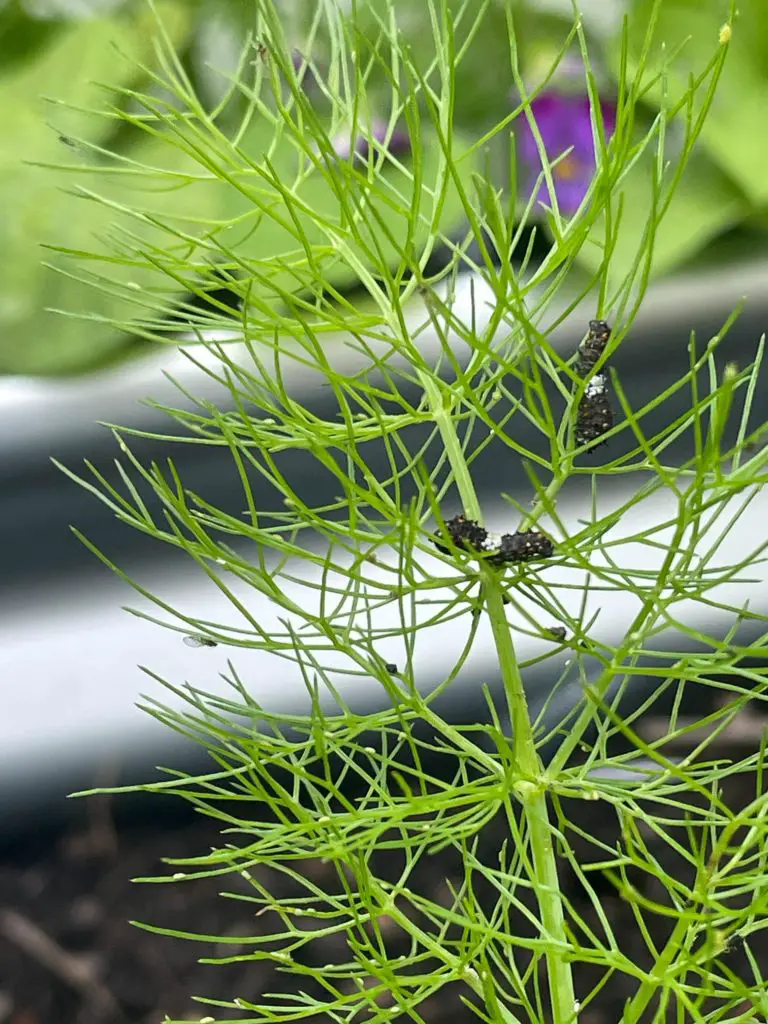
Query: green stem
point(650, 987)
point(530, 789)
point(533, 796)
point(443, 416)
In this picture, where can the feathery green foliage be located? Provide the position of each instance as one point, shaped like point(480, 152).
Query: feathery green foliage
point(412, 382)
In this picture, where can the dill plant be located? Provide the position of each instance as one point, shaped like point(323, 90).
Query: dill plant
point(431, 384)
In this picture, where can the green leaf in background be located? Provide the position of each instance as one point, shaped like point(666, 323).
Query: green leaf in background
point(387, 211)
point(155, 186)
point(34, 201)
point(734, 133)
point(482, 50)
point(257, 216)
point(705, 204)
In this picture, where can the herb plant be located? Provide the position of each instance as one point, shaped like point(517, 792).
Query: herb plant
point(397, 390)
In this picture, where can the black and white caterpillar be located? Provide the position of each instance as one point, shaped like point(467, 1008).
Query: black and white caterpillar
point(594, 416)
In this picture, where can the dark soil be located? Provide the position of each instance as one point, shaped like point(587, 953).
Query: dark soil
point(69, 956)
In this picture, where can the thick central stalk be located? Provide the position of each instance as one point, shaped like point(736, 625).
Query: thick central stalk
point(531, 791)
point(530, 788)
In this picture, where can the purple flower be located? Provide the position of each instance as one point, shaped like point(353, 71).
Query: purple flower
point(564, 123)
point(399, 142)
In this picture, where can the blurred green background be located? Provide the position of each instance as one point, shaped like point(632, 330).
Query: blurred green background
point(63, 60)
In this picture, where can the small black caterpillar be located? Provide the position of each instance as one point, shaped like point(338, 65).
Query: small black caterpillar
point(501, 549)
point(465, 533)
point(594, 416)
point(592, 347)
point(524, 546)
